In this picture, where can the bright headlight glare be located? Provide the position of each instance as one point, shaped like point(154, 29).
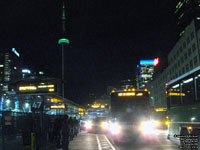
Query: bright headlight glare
point(156, 123)
point(147, 127)
point(104, 125)
point(88, 124)
point(115, 128)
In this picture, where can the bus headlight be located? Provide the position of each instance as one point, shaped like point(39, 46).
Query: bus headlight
point(166, 123)
point(105, 125)
point(156, 123)
point(88, 124)
point(115, 128)
point(147, 127)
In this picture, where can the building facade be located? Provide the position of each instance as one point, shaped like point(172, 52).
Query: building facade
point(184, 56)
point(144, 72)
point(10, 69)
point(185, 12)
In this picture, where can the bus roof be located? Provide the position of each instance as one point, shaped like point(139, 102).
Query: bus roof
point(184, 75)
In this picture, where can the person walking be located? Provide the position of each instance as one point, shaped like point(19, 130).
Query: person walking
point(65, 133)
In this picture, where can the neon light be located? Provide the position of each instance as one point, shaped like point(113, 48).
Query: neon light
point(14, 51)
point(66, 41)
point(156, 61)
point(147, 62)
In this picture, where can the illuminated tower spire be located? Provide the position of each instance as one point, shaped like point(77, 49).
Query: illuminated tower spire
point(63, 42)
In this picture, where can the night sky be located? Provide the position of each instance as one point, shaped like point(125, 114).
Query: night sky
point(107, 38)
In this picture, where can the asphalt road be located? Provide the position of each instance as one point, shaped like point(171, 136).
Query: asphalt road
point(157, 142)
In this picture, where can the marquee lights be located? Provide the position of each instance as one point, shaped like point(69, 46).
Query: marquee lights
point(27, 88)
point(176, 94)
point(57, 106)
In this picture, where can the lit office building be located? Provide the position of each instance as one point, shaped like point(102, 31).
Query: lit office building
point(9, 68)
point(145, 71)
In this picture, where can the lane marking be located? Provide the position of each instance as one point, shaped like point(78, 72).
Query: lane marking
point(113, 148)
point(98, 142)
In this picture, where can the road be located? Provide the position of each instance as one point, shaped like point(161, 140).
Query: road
point(160, 142)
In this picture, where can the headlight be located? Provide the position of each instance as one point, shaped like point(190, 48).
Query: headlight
point(105, 125)
point(115, 128)
point(166, 123)
point(147, 127)
point(88, 124)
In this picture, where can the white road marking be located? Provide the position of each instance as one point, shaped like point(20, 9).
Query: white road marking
point(113, 148)
point(98, 142)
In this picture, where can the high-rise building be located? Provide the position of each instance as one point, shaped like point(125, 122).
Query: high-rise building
point(185, 12)
point(9, 68)
point(145, 71)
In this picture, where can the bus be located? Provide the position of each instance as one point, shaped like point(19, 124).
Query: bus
point(183, 102)
point(160, 116)
point(130, 105)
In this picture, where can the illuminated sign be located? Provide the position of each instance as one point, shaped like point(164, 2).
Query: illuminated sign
point(57, 106)
point(156, 61)
point(176, 94)
point(147, 62)
point(27, 88)
point(127, 94)
point(130, 94)
point(37, 88)
point(56, 100)
point(160, 109)
point(14, 51)
point(153, 62)
point(95, 106)
point(81, 109)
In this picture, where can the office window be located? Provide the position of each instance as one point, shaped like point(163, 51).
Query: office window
point(193, 47)
point(191, 64)
point(187, 68)
point(177, 53)
point(186, 55)
point(189, 51)
point(188, 40)
point(178, 63)
point(184, 44)
point(192, 35)
point(180, 49)
point(195, 60)
point(182, 59)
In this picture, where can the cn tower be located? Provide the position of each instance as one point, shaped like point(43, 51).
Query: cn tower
point(63, 42)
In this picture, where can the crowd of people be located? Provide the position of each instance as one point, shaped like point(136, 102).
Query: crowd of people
point(64, 129)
